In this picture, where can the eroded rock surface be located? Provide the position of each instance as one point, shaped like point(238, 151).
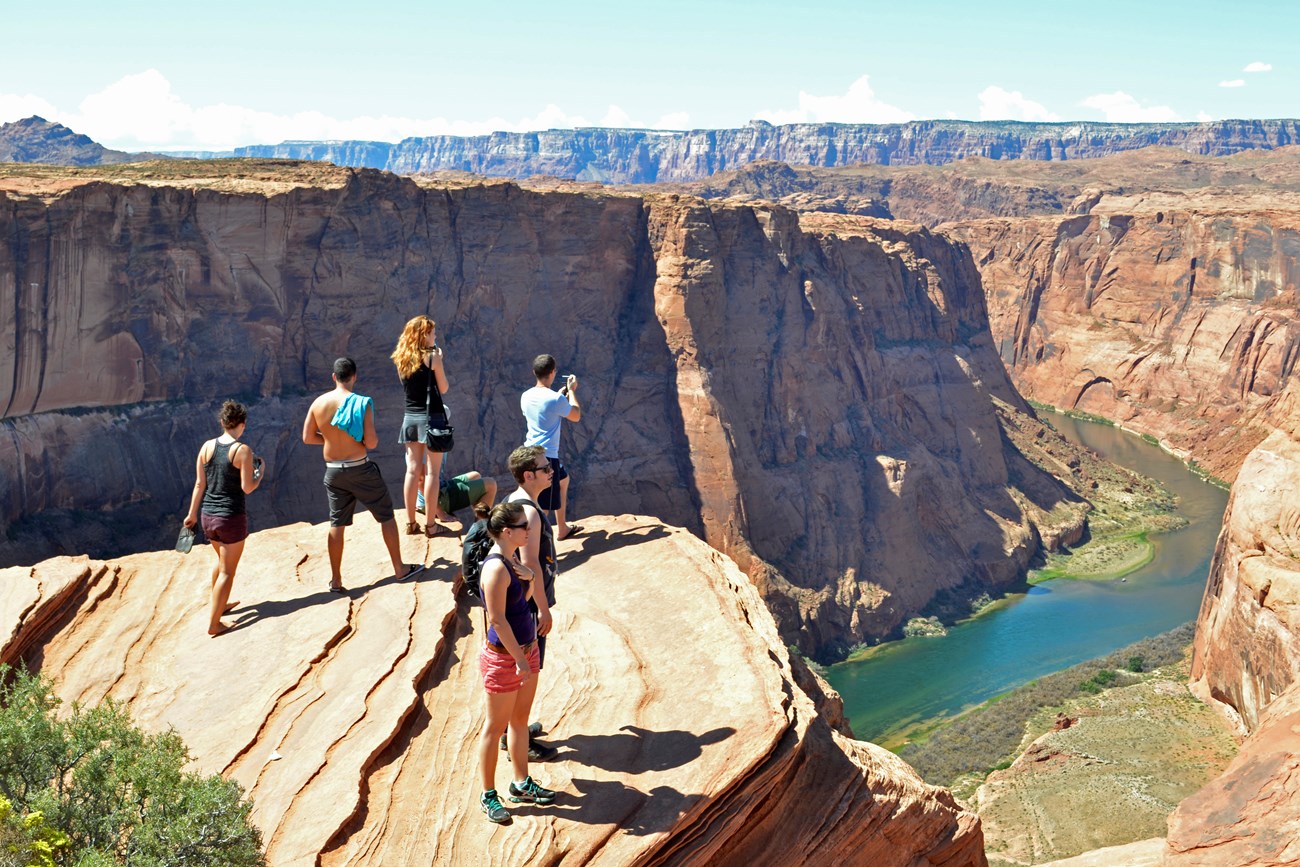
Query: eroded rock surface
point(763, 382)
point(352, 720)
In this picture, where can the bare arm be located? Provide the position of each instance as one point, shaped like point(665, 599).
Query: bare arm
point(370, 439)
point(244, 461)
point(571, 392)
point(532, 560)
point(434, 360)
point(496, 580)
point(311, 434)
point(200, 485)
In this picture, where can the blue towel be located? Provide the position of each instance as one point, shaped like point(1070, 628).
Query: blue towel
point(351, 416)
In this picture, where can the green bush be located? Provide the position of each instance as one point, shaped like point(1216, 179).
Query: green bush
point(119, 795)
point(1134, 664)
point(28, 841)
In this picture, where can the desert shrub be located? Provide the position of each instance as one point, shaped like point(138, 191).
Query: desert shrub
point(120, 796)
point(1134, 664)
point(990, 735)
point(28, 841)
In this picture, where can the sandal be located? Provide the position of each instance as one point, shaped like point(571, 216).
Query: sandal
point(413, 528)
point(411, 569)
point(431, 529)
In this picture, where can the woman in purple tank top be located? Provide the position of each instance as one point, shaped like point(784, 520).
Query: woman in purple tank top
point(509, 662)
point(225, 471)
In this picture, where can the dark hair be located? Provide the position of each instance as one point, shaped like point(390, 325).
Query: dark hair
point(232, 415)
point(503, 514)
point(345, 369)
point(543, 366)
point(523, 459)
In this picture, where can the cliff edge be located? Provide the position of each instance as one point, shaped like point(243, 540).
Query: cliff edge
point(351, 720)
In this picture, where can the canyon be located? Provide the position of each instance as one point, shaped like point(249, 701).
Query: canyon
point(737, 364)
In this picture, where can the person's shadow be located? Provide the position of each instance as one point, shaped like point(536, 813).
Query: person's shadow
point(610, 802)
point(635, 750)
point(596, 542)
point(267, 609)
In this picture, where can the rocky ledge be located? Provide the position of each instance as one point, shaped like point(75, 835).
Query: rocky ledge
point(351, 720)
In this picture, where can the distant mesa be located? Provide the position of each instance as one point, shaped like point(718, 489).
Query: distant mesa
point(642, 156)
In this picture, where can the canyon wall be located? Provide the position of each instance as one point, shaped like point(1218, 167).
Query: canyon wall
point(819, 401)
point(648, 156)
point(352, 721)
point(1172, 313)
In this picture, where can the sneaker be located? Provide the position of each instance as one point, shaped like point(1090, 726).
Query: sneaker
point(531, 793)
point(534, 729)
point(489, 803)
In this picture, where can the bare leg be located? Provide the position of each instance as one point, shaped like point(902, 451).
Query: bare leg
point(500, 708)
point(335, 545)
point(411, 484)
point(391, 541)
point(432, 468)
point(228, 558)
point(489, 492)
point(517, 734)
point(561, 525)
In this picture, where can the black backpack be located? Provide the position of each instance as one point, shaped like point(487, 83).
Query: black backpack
point(478, 544)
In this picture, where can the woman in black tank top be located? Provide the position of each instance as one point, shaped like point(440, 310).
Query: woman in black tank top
point(421, 370)
point(225, 471)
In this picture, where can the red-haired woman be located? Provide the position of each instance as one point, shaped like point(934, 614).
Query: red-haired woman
point(420, 368)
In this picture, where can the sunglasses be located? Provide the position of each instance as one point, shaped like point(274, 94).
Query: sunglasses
point(523, 526)
point(543, 469)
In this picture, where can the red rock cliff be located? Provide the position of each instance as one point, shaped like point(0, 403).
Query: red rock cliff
point(1173, 314)
point(817, 399)
point(352, 720)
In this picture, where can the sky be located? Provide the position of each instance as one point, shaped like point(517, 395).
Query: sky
point(181, 76)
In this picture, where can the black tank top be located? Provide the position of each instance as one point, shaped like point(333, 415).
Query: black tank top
point(224, 496)
point(417, 388)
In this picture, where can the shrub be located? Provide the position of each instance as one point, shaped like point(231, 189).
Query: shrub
point(1134, 664)
point(28, 840)
point(119, 795)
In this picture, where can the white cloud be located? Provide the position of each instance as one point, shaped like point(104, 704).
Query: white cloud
point(1119, 107)
point(141, 112)
point(1258, 66)
point(674, 120)
point(16, 107)
point(999, 104)
point(1203, 117)
point(858, 105)
point(1236, 82)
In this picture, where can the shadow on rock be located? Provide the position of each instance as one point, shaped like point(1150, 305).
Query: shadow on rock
point(595, 542)
point(609, 802)
point(636, 750)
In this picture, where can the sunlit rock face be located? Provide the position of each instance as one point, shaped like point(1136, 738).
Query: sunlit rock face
point(352, 721)
point(818, 399)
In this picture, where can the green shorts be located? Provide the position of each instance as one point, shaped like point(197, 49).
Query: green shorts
point(460, 492)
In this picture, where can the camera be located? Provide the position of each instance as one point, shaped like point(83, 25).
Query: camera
point(257, 467)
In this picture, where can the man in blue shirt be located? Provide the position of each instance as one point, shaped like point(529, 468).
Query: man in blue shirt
point(545, 409)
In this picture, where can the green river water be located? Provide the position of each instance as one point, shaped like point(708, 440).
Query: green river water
point(1056, 624)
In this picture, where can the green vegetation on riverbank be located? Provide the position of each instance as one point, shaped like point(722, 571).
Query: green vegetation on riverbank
point(990, 735)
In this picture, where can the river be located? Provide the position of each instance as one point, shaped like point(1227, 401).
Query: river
point(1056, 624)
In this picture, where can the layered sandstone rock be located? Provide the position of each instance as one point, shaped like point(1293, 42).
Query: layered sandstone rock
point(648, 156)
point(819, 400)
point(1172, 314)
point(352, 720)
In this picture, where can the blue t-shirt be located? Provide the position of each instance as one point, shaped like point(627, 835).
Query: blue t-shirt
point(544, 409)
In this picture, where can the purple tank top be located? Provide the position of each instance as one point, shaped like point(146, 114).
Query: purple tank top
point(518, 614)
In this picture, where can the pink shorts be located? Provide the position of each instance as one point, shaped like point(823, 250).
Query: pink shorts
point(498, 669)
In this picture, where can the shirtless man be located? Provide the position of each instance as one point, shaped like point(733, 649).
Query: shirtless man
point(344, 423)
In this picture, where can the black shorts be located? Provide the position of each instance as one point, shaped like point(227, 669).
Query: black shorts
point(347, 485)
point(549, 499)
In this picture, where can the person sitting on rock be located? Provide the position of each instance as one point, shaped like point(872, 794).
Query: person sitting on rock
point(225, 471)
point(509, 662)
point(344, 423)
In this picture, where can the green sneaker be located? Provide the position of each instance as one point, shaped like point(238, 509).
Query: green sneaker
point(529, 792)
point(489, 803)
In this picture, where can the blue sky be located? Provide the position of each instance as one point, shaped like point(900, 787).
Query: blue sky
point(153, 75)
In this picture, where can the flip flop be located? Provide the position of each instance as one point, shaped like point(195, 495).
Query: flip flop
point(338, 588)
point(574, 529)
point(411, 569)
